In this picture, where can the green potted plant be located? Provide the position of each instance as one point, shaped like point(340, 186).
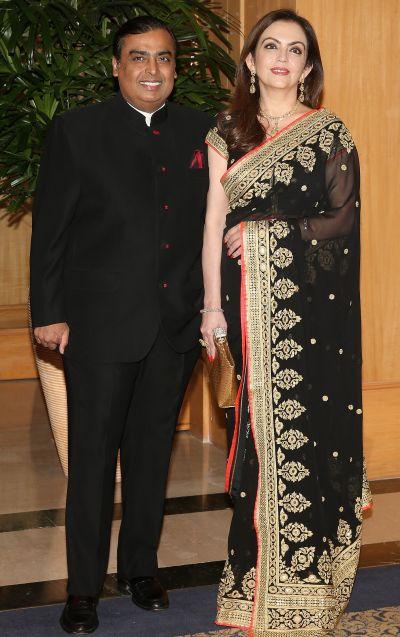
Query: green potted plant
point(56, 55)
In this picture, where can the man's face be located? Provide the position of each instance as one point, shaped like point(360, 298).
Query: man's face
point(146, 69)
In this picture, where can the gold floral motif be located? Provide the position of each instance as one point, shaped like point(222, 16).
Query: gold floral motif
point(303, 558)
point(292, 439)
point(249, 584)
point(283, 518)
point(288, 378)
point(294, 502)
point(235, 595)
point(280, 456)
point(366, 489)
point(346, 139)
point(296, 532)
point(344, 532)
point(288, 348)
point(286, 319)
point(275, 365)
point(276, 395)
point(324, 567)
point(283, 172)
point(262, 189)
point(306, 157)
point(274, 334)
point(325, 141)
point(285, 288)
point(358, 509)
point(282, 257)
point(280, 229)
point(227, 582)
point(281, 487)
point(293, 471)
point(284, 547)
point(290, 409)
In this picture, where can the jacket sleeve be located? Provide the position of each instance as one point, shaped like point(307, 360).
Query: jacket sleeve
point(53, 211)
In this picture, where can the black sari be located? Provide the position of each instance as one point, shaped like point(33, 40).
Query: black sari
point(292, 305)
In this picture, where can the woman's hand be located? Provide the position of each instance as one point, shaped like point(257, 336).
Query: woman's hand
point(233, 242)
point(210, 321)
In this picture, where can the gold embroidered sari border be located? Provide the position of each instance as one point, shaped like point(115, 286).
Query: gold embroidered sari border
point(279, 607)
point(250, 168)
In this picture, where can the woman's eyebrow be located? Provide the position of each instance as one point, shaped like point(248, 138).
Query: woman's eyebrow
point(279, 42)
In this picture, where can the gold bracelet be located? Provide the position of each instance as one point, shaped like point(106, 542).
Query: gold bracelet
point(205, 310)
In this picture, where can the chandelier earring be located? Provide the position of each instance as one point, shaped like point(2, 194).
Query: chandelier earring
point(301, 94)
point(252, 88)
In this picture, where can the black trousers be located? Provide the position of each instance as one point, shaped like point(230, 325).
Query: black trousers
point(132, 407)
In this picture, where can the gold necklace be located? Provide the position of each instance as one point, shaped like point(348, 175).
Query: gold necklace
point(273, 120)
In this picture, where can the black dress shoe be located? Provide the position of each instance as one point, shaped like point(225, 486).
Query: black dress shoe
point(79, 615)
point(146, 592)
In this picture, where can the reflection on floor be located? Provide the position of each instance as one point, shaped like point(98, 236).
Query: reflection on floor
point(32, 538)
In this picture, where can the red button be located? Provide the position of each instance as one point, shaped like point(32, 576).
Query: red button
point(164, 284)
point(166, 246)
point(156, 132)
point(163, 169)
point(166, 206)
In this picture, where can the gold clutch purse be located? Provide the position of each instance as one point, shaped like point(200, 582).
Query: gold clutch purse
point(222, 371)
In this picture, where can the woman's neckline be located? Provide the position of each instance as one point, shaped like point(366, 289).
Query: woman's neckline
point(267, 140)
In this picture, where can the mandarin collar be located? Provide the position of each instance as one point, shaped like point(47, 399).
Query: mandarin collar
point(136, 118)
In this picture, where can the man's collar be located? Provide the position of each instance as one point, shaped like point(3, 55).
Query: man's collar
point(147, 116)
point(135, 117)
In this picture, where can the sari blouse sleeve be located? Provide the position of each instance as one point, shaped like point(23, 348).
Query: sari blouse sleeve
point(217, 142)
point(342, 181)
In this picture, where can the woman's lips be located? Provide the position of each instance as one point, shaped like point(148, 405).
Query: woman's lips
point(279, 70)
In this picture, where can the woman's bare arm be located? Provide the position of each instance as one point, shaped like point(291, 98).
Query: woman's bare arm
point(217, 207)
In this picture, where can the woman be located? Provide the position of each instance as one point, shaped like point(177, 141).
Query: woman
point(284, 183)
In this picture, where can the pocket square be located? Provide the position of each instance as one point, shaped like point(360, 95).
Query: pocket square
point(197, 160)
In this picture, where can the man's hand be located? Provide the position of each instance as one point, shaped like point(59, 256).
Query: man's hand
point(233, 242)
point(52, 336)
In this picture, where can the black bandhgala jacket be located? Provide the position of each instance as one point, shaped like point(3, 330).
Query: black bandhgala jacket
point(117, 229)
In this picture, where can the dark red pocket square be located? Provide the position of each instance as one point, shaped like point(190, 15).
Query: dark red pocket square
point(197, 160)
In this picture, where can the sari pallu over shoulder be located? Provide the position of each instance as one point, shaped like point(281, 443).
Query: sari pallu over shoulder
point(301, 338)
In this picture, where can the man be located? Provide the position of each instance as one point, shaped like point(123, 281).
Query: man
point(116, 284)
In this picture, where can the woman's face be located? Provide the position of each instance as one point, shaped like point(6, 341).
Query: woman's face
point(280, 56)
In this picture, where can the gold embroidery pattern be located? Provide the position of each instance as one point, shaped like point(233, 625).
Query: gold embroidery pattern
point(306, 157)
point(226, 583)
point(293, 471)
point(299, 590)
point(296, 532)
point(288, 378)
point(249, 584)
point(263, 164)
point(292, 439)
point(215, 140)
point(366, 489)
point(286, 349)
point(381, 622)
point(294, 502)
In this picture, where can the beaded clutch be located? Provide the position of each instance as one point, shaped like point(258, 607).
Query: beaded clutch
point(222, 371)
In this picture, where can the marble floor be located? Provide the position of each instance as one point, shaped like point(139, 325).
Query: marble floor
point(32, 494)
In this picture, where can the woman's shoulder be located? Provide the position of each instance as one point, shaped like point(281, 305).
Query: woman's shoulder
point(336, 128)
